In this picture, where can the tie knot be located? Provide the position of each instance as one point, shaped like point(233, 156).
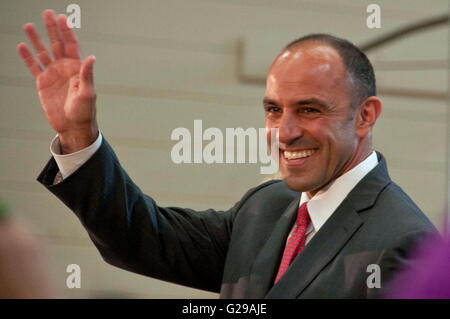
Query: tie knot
point(303, 218)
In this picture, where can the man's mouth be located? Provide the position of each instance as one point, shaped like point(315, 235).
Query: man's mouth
point(293, 155)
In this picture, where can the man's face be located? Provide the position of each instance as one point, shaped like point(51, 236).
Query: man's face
point(308, 99)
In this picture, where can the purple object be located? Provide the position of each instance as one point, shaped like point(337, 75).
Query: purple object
point(429, 276)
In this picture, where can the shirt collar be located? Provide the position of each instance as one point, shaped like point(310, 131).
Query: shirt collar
point(325, 202)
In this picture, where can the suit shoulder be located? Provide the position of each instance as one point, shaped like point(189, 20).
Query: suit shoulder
point(395, 209)
point(274, 190)
point(272, 194)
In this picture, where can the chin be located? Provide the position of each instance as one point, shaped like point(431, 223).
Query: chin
point(298, 184)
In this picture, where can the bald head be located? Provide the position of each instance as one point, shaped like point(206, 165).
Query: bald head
point(358, 67)
point(311, 69)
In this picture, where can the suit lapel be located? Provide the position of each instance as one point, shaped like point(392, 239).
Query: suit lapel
point(322, 248)
point(266, 264)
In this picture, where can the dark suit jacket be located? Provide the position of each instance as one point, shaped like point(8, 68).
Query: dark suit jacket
point(237, 252)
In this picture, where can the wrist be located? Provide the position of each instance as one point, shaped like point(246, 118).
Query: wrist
point(74, 141)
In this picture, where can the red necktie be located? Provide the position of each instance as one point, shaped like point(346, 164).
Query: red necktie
point(296, 241)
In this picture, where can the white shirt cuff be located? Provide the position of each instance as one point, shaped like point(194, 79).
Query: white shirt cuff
point(69, 163)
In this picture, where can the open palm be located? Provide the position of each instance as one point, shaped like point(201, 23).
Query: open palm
point(64, 82)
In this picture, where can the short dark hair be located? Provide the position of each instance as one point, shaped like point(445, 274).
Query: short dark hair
point(356, 63)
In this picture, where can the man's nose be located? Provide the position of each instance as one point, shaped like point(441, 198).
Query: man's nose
point(290, 129)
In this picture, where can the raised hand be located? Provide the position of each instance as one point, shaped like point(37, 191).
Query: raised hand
point(64, 82)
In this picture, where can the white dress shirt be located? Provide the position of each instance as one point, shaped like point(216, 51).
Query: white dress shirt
point(69, 163)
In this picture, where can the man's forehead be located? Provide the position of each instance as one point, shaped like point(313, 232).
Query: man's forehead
point(308, 62)
point(315, 50)
point(313, 57)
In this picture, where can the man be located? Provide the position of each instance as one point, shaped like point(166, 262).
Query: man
point(315, 234)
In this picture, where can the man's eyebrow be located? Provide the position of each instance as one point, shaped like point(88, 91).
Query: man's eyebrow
point(313, 101)
point(266, 100)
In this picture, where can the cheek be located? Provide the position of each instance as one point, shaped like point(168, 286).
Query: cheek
point(333, 139)
point(320, 131)
point(342, 139)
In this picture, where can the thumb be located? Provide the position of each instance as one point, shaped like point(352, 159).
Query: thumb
point(87, 74)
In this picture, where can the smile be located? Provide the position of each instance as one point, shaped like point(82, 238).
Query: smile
point(298, 154)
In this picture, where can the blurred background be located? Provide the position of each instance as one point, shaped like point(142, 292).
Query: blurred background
point(162, 64)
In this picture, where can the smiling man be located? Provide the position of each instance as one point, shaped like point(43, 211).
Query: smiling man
point(336, 226)
point(324, 110)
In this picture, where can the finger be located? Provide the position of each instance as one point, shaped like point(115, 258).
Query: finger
point(87, 74)
point(39, 47)
point(53, 32)
point(71, 46)
point(27, 57)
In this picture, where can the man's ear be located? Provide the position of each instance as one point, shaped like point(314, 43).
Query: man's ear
point(366, 115)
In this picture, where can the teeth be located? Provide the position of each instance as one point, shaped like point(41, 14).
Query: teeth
point(299, 154)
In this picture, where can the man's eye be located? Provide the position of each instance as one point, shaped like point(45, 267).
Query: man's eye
point(310, 110)
point(272, 109)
